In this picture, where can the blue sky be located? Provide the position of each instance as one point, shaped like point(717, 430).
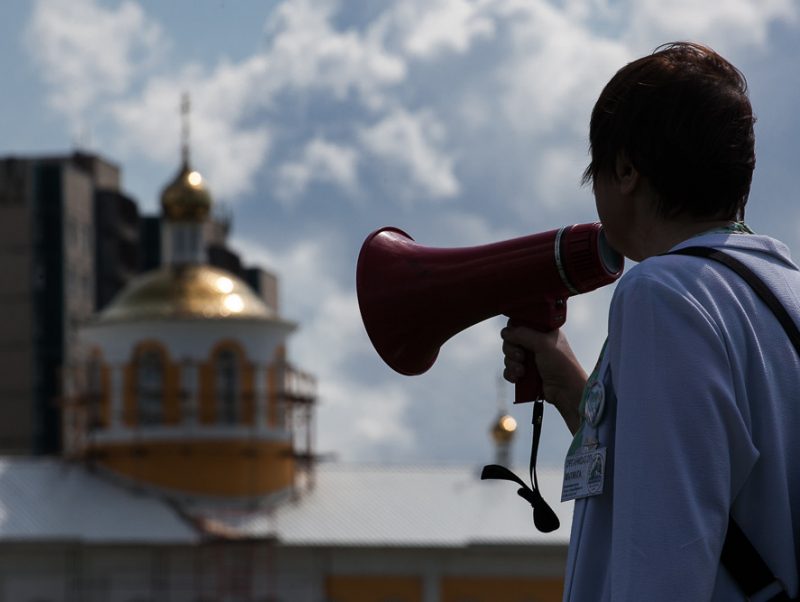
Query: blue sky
point(316, 122)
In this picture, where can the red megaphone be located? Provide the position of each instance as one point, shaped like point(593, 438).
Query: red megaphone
point(414, 298)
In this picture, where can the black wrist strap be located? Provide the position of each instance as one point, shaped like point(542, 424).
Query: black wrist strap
point(739, 556)
point(543, 516)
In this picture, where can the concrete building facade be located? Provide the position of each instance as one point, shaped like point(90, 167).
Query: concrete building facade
point(47, 251)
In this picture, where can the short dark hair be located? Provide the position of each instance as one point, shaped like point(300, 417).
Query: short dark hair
point(682, 117)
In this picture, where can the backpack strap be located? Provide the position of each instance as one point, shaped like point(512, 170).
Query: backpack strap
point(761, 289)
point(739, 556)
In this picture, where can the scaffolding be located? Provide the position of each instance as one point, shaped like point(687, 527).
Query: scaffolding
point(226, 565)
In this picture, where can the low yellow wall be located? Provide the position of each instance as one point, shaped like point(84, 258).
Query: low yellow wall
point(374, 589)
point(501, 589)
point(353, 588)
point(227, 468)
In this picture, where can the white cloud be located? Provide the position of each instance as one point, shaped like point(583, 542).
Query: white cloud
point(86, 51)
point(90, 54)
point(412, 141)
point(559, 173)
point(322, 161)
point(466, 229)
point(477, 345)
point(556, 70)
point(307, 53)
point(549, 66)
point(356, 419)
point(725, 25)
point(427, 29)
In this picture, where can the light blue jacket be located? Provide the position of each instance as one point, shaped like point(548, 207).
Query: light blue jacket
point(702, 416)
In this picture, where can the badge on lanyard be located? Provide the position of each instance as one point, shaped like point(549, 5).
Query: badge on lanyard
point(585, 466)
point(595, 403)
point(584, 473)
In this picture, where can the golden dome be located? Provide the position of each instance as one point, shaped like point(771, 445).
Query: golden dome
point(503, 429)
point(186, 197)
point(186, 292)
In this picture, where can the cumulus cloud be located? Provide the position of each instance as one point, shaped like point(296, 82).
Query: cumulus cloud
point(322, 161)
point(306, 52)
point(726, 25)
point(412, 141)
point(428, 29)
point(558, 174)
point(89, 55)
point(87, 52)
point(555, 70)
point(540, 77)
point(365, 422)
point(464, 228)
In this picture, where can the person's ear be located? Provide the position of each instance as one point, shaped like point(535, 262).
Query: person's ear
point(627, 174)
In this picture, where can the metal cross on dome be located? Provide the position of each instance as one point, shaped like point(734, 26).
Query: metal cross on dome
point(185, 107)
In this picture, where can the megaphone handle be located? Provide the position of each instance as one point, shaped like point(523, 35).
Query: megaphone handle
point(551, 314)
point(529, 387)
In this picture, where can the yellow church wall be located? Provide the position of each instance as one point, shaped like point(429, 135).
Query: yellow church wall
point(501, 589)
point(210, 466)
point(408, 588)
point(226, 468)
point(374, 589)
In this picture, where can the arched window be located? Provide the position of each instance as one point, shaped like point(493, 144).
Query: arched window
point(227, 386)
point(150, 387)
point(188, 400)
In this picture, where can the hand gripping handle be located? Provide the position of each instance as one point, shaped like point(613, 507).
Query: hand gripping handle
point(549, 315)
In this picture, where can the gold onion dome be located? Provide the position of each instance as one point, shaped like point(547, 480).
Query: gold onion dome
point(503, 429)
point(186, 292)
point(186, 198)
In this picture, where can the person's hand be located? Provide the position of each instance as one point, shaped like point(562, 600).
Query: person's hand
point(563, 378)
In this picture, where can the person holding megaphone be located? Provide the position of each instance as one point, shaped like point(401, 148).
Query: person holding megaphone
point(685, 462)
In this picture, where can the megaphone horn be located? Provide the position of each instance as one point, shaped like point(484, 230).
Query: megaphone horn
point(414, 298)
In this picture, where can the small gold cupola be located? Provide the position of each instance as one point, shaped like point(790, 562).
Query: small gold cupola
point(502, 432)
point(185, 208)
point(503, 428)
point(186, 198)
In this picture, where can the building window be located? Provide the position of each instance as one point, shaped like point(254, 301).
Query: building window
point(227, 385)
point(150, 387)
point(188, 390)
